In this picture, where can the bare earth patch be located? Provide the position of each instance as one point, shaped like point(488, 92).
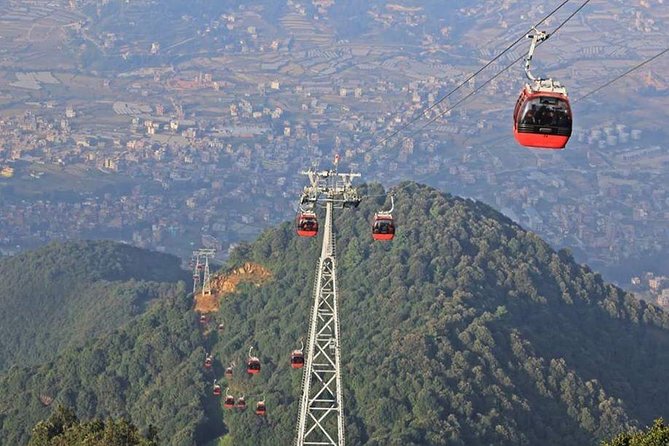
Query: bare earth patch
point(224, 284)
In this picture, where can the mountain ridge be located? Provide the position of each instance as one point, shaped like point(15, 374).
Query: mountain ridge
point(64, 293)
point(460, 263)
point(465, 330)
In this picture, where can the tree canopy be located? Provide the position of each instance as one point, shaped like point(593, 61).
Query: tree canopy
point(67, 293)
point(63, 428)
point(464, 330)
point(656, 435)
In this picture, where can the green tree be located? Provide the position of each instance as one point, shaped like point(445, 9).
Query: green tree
point(656, 435)
point(64, 429)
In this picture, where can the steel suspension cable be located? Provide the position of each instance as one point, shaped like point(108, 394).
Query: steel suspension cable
point(634, 68)
point(476, 90)
point(493, 60)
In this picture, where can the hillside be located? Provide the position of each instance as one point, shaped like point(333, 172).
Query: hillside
point(224, 284)
point(64, 294)
point(63, 427)
point(149, 371)
point(465, 330)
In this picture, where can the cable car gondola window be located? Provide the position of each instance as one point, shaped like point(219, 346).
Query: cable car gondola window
point(545, 115)
point(384, 227)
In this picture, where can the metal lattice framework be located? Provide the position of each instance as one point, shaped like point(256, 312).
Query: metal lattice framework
point(321, 413)
point(196, 271)
point(201, 262)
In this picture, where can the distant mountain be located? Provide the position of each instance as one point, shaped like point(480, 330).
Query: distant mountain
point(464, 330)
point(67, 293)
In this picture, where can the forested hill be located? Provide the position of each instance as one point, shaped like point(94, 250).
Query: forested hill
point(66, 293)
point(148, 371)
point(464, 330)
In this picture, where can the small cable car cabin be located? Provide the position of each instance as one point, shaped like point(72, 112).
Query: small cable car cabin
point(297, 359)
point(228, 372)
point(217, 389)
point(208, 362)
point(229, 401)
point(241, 403)
point(261, 409)
point(383, 227)
point(253, 366)
point(307, 224)
point(542, 117)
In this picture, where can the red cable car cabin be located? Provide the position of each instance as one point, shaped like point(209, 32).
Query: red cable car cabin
point(217, 390)
point(253, 366)
point(542, 117)
point(297, 359)
point(228, 372)
point(207, 362)
point(241, 403)
point(229, 402)
point(307, 224)
point(261, 410)
point(383, 227)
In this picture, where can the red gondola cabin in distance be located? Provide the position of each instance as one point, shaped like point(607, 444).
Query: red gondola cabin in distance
point(252, 364)
point(306, 224)
point(383, 227)
point(261, 410)
point(241, 403)
point(217, 389)
point(297, 359)
point(229, 402)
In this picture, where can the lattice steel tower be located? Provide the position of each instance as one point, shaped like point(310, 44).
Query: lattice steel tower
point(200, 256)
point(321, 413)
point(196, 271)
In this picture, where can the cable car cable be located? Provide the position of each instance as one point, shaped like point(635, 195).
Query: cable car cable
point(634, 68)
point(476, 90)
point(617, 78)
point(583, 5)
point(507, 49)
point(608, 83)
point(443, 98)
point(463, 99)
